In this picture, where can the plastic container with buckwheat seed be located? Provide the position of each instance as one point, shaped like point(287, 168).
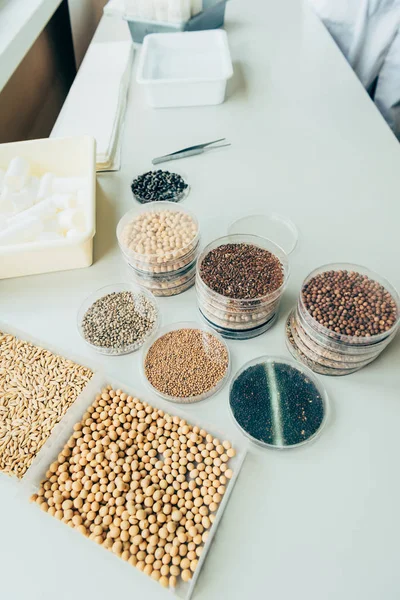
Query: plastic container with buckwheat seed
point(331, 352)
point(160, 243)
point(240, 318)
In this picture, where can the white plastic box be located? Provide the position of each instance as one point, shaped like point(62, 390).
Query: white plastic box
point(65, 157)
point(185, 68)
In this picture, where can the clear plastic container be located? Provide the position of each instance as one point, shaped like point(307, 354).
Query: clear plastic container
point(165, 282)
point(302, 358)
point(323, 350)
point(316, 354)
point(284, 419)
point(174, 196)
point(226, 313)
point(272, 226)
point(175, 327)
point(156, 263)
point(347, 339)
point(329, 352)
point(238, 334)
point(138, 293)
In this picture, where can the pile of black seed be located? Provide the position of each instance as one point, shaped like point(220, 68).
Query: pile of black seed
point(276, 404)
point(242, 271)
point(119, 320)
point(157, 186)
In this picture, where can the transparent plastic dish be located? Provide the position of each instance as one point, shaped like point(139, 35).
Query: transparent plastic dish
point(230, 314)
point(272, 226)
point(207, 332)
point(237, 321)
point(302, 358)
point(349, 339)
point(229, 308)
point(282, 419)
point(174, 197)
point(250, 240)
point(317, 354)
point(174, 259)
point(171, 286)
point(237, 333)
point(138, 292)
point(162, 269)
point(338, 346)
point(328, 351)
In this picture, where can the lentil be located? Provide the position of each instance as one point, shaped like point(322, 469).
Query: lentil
point(37, 388)
point(241, 271)
point(119, 320)
point(163, 556)
point(158, 186)
point(276, 404)
point(349, 303)
point(186, 363)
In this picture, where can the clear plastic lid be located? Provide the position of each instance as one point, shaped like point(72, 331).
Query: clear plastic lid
point(278, 403)
point(186, 362)
point(281, 230)
point(145, 306)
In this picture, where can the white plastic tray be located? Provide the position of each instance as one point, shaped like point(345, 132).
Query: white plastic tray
point(63, 430)
point(185, 68)
point(66, 157)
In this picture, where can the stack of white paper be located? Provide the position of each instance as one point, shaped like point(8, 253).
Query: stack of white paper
point(97, 100)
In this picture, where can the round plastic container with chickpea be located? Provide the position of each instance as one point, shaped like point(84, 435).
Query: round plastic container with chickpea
point(158, 238)
point(143, 484)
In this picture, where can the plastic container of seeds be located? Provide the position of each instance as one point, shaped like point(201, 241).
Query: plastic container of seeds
point(144, 302)
point(300, 409)
point(233, 317)
point(348, 340)
point(158, 262)
point(165, 284)
point(183, 365)
point(169, 195)
point(331, 352)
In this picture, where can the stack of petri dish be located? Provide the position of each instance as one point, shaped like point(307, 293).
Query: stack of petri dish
point(331, 352)
point(160, 242)
point(240, 318)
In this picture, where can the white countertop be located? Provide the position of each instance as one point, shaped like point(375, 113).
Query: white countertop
point(21, 22)
point(316, 522)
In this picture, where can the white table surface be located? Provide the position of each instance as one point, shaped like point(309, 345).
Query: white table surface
point(317, 522)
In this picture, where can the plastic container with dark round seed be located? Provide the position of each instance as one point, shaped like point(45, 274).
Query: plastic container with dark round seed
point(278, 403)
point(328, 350)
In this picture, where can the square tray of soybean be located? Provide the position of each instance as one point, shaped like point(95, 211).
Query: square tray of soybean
point(57, 442)
point(9, 423)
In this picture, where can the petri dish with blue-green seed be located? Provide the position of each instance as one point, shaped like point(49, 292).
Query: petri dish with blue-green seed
point(277, 403)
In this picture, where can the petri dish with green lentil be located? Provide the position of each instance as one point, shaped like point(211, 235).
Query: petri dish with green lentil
point(186, 362)
point(277, 403)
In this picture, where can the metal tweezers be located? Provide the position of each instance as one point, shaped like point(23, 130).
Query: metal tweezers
point(191, 151)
